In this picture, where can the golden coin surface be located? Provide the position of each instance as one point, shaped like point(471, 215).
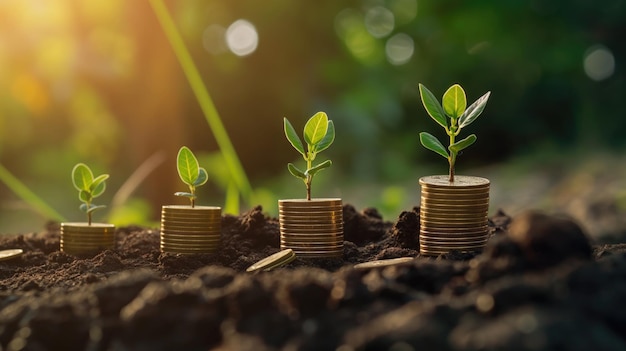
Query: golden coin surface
point(317, 228)
point(187, 208)
point(312, 202)
point(309, 244)
point(460, 241)
point(454, 236)
point(273, 261)
point(201, 220)
point(452, 232)
point(384, 263)
point(452, 247)
point(184, 236)
point(460, 181)
point(311, 237)
point(191, 231)
point(9, 254)
point(455, 202)
point(319, 254)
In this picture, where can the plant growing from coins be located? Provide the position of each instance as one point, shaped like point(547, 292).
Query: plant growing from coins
point(453, 116)
point(89, 188)
point(190, 173)
point(319, 134)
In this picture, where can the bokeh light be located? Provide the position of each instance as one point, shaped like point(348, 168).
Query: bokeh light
point(599, 63)
point(379, 21)
point(242, 38)
point(399, 49)
point(214, 39)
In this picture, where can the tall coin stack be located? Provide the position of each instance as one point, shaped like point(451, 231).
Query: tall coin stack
point(83, 239)
point(190, 230)
point(311, 228)
point(453, 216)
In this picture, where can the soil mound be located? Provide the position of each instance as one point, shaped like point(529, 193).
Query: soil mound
point(538, 285)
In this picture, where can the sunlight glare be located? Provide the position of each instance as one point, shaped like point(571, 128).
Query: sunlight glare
point(379, 21)
point(242, 38)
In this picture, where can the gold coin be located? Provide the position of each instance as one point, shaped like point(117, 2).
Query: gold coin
point(453, 231)
point(200, 235)
point(317, 228)
point(437, 226)
point(312, 236)
point(312, 243)
point(201, 219)
point(384, 263)
point(99, 231)
point(318, 224)
point(9, 254)
point(198, 210)
point(276, 260)
point(189, 241)
point(307, 254)
point(311, 233)
point(457, 202)
point(447, 241)
point(459, 234)
point(454, 204)
point(77, 246)
point(308, 249)
point(189, 248)
point(452, 247)
point(191, 225)
point(312, 202)
point(459, 181)
point(201, 229)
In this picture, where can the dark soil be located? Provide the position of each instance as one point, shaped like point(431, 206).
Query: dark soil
point(539, 285)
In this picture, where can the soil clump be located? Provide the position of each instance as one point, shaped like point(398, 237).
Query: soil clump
point(540, 284)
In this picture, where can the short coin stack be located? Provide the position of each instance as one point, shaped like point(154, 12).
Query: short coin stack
point(83, 239)
point(311, 228)
point(190, 230)
point(453, 216)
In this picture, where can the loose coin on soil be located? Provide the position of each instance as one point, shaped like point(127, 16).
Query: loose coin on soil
point(384, 263)
point(9, 254)
point(274, 261)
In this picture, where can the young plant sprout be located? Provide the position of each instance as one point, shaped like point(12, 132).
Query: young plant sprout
point(190, 173)
point(452, 116)
point(319, 133)
point(88, 188)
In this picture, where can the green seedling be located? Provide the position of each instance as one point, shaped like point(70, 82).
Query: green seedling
point(319, 133)
point(452, 116)
point(190, 173)
point(88, 188)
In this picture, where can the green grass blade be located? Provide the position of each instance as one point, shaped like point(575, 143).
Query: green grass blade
point(24, 193)
point(204, 99)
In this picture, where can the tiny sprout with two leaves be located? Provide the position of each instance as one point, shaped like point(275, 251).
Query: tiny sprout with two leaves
point(452, 116)
point(190, 173)
point(88, 188)
point(319, 133)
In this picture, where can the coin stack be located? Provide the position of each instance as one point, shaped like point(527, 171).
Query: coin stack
point(190, 230)
point(82, 239)
point(311, 228)
point(453, 216)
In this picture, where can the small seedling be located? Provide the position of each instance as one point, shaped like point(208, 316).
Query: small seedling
point(452, 116)
point(88, 188)
point(190, 173)
point(319, 133)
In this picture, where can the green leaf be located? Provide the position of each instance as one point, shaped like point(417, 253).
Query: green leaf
point(454, 101)
point(462, 144)
point(315, 128)
point(93, 208)
point(433, 107)
point(295, 171)
point(474, 110)
point(185, 194)
point(319, 167)
point(99, 189)
point(83, 207)
point(85, 196)
point(432, 144)
point(96, 182)
point(328, 138)
point(187, 166)
point(202, 177)
point(292, 136)
point(82, 177)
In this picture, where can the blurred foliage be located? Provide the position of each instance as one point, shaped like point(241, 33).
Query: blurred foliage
point(98, 82)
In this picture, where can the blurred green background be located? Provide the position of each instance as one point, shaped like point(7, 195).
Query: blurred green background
point(98, 82)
